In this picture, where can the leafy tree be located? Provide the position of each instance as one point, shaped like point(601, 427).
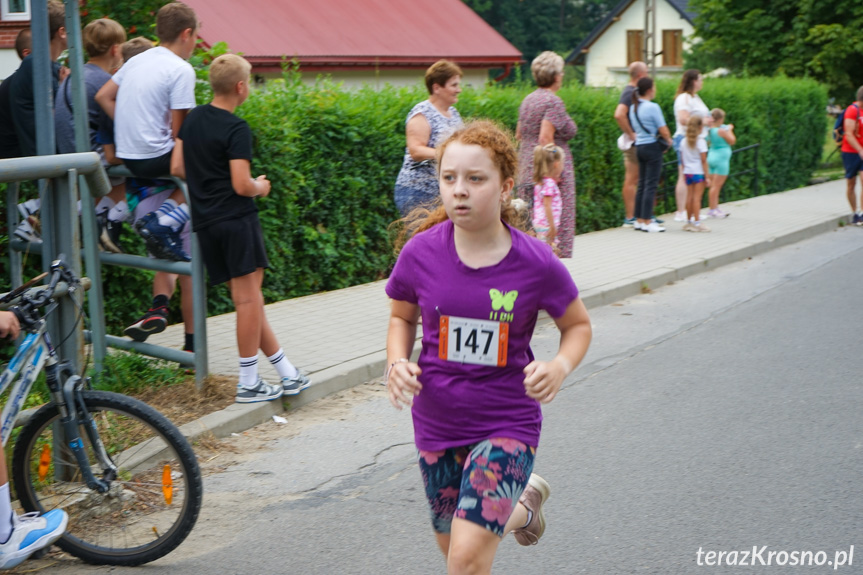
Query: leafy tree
point(533, 26)
point(822, 39)
point(138, 17)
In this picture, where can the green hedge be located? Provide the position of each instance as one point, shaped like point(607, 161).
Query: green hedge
point(333, 156)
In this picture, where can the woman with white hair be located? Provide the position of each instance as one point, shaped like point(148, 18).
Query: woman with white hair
point(542, 119)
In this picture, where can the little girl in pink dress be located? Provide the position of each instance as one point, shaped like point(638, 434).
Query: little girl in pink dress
point(547, 203)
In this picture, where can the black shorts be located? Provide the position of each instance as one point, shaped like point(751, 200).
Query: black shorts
point(233, 248)
point(151, 168)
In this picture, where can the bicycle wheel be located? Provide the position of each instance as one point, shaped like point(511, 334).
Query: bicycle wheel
point(151, 505)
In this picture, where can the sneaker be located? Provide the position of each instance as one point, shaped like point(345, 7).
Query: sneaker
point(717, 214)
point(629, 222)
point(28, 230)
point(535, 494)
point(142, 222)
point(154, 321)
point(163, 242)
point(261, 392)
point(29, 208)
point(652, 228)
point(688, 227)
point(30, 533)
point(657, 220)
point(294, 385)
point(858, 220)
point(680, 217)
point(109, 233)
point(699, 227)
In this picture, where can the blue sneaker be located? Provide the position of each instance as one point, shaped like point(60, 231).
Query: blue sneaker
point(30, 533)
point(163, 242)
point(857, 220)
point(657, 220)
point(629, 222)
point(142, 222)
point(294, 385)
point(261, 392)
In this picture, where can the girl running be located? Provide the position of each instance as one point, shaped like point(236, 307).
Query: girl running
point(694, 152)
point(547, 204)
point(475, 393)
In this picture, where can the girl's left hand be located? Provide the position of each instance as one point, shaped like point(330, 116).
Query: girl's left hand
point(543, 379)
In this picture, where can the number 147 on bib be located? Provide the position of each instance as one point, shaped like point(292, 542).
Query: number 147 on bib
point(476, 341)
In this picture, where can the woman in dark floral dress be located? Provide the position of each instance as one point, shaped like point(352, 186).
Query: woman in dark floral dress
point(542, 119)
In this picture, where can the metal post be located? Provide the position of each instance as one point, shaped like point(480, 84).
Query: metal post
point(650, 35)
point(11, 223)
point(88, 219)
point(755, 178)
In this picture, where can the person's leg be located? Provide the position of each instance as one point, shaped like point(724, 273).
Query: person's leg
point(248, 302)
point(22, 536)
point(630, 182)
point(690, 202)
point(697, 198)
point(187, 308)
point(472, 548)
point(639, 193)
point(716, 183)
point(652, 169)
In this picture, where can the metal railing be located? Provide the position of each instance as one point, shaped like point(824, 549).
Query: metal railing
point(88, 165)
point(668, 180)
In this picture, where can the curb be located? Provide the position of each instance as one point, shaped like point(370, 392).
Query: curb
point(240, 417)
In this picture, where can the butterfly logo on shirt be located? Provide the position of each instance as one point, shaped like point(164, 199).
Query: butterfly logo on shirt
point(502, 300)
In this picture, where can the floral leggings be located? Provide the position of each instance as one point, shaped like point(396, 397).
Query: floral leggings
point(480, 482)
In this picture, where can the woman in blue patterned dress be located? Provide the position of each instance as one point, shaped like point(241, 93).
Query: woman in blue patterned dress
point(428, 123)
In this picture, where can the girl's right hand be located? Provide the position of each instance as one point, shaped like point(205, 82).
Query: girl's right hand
point(402, 383)
point(263, 185)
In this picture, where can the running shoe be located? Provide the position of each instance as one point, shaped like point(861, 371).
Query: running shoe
point(109, 233)
point(261, 392)
point(28, 230)
point(717, 214)
point(688, 227)
point(699, 227)
point(30, 533)
point(652, 228)
point(629, 222)
point(294, 385)
point(163, 242)
point(154, 321)
point(533, 497)
point(857, 220)
point(657, 220)
point(142, 222)
point(680, 217)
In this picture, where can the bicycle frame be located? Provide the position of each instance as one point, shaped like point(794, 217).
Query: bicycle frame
point(34, 353)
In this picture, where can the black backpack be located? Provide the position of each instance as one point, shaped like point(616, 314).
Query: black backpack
point(839, 126)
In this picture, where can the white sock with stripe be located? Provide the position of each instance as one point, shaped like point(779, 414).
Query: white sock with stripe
point(248, 371)
point(282, 365)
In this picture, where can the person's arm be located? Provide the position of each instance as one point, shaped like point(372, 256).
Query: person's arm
point(704, 164)
point(552, 229)
point(851, 133)
point(546, 133)
point(177, 117)
point(107, 97)
point(242, 182)
point(178, 166)
point(9, 326)
point(544, 378)
point(111, 154)
point(402, 383)
point(621, 116)
point(665, 134)
point(417, 134)
point(727, 134)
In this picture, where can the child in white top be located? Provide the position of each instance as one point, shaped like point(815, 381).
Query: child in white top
point(547, 203)
point(694, 154)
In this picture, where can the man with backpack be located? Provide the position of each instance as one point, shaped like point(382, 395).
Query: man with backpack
point(852, 153)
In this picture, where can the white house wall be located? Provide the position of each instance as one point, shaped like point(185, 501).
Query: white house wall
point(605, 63)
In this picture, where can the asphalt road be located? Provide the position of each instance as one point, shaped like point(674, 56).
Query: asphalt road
point(718, 414)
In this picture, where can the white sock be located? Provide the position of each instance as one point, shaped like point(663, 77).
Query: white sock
point(120, 212)
point(282, 365)
point(249, 371)
point(166, 207)
point(105, 203)
point(176, 218)
point(5, 513)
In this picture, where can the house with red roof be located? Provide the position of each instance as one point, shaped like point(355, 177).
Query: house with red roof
point(356, 41)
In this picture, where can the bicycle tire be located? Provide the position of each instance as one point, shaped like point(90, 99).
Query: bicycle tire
point(141, 518)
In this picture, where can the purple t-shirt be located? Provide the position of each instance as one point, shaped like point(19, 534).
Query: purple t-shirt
point(463, 403)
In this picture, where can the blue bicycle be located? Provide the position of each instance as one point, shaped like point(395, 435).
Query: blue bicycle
point(125, 475)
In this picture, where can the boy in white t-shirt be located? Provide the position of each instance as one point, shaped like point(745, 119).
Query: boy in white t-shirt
point(148, 98)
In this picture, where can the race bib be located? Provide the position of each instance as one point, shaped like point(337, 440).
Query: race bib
point(476, 341)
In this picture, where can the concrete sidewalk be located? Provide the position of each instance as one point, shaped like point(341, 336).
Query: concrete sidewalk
point(339, 336)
